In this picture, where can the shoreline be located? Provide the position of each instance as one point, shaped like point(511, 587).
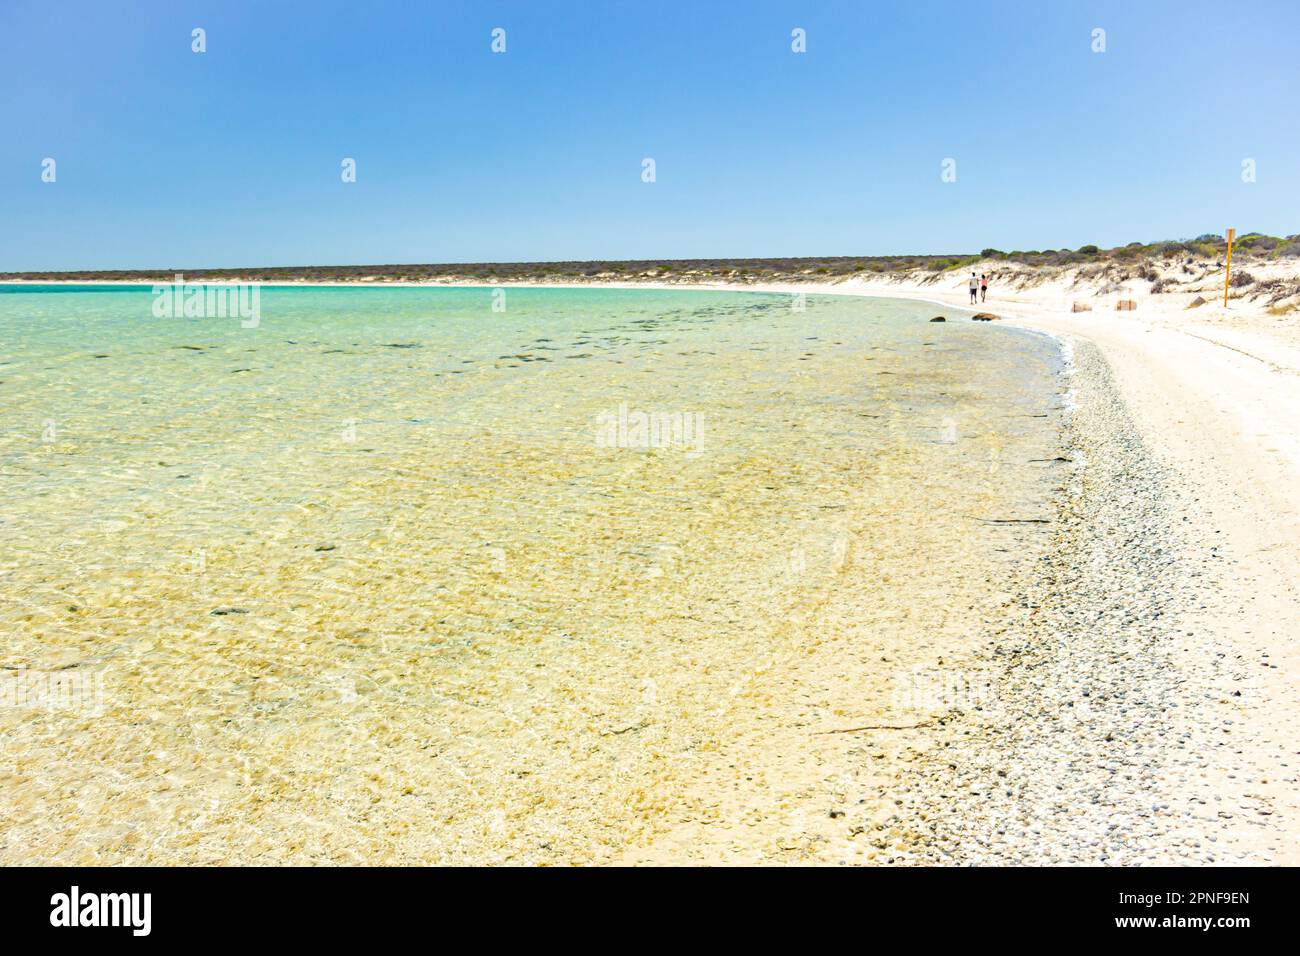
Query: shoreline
point(1195, 721)
point(1109, 695)
point(1210, 396)
point(1205, 413)
point(1207, 395)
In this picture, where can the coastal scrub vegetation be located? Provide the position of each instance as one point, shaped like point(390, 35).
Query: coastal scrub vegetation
point(1136, 259)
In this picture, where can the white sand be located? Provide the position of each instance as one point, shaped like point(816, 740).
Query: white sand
point(1215, 394)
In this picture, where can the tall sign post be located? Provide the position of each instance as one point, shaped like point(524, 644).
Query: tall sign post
point(1228, 270)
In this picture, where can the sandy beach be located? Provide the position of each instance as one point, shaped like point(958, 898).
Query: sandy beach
point(1182, 541)
point(1212, 394)
point(1188, 419)
point(1125, 697)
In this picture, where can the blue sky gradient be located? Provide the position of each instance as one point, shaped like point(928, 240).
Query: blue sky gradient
point(171, 159)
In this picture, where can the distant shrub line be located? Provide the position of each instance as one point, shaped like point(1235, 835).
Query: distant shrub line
point(1251, 245)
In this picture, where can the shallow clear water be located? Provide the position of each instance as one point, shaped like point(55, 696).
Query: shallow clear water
point(379, 580)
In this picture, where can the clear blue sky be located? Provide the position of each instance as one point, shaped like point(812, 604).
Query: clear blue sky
point(167, 158)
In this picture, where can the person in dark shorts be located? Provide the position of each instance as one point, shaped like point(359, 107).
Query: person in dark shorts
point(984, 287)
point(974, 287)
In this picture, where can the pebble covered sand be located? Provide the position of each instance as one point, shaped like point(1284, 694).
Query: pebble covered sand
point(1091, 722)
point(1102, 730)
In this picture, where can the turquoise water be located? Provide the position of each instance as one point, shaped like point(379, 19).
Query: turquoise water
point(369, 563)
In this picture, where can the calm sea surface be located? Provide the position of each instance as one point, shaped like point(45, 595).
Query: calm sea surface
point(443, 575)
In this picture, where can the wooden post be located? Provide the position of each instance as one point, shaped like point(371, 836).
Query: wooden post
point(1228, 266)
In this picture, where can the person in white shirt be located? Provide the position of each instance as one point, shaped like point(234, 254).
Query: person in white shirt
point(974, 287)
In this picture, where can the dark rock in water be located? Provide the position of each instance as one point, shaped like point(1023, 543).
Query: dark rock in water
point(326, 547)
point(938, 318)
point(983, 316)
point(222, 611)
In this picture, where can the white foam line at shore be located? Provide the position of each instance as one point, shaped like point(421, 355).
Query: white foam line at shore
point(1065, 346)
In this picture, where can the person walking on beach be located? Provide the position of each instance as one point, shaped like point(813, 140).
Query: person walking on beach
point(974, 288)
point(984, 287)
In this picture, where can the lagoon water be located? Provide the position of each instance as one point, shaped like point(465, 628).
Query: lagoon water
point(377, 580)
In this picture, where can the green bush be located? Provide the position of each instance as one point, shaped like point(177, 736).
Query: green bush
point(1257, 242)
